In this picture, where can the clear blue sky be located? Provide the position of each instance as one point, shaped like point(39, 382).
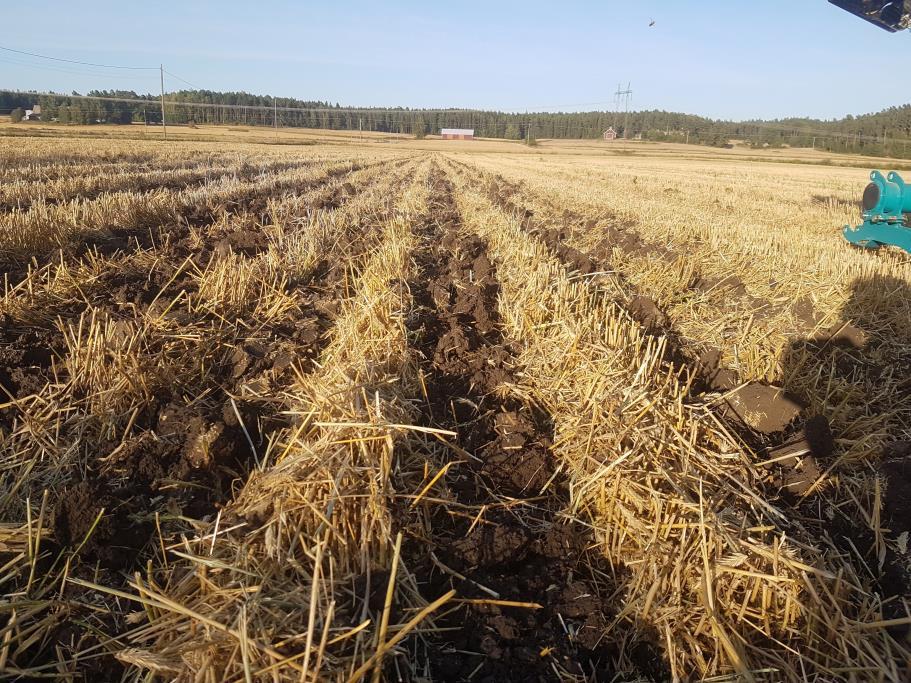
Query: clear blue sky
point(720, 58)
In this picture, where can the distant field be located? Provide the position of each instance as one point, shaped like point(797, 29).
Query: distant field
point(306, 136)
point(305, 405)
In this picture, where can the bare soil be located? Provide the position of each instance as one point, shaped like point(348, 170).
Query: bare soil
point(512, 542)
point(189, 448)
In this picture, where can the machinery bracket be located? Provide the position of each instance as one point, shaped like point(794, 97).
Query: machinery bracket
point(886, 206)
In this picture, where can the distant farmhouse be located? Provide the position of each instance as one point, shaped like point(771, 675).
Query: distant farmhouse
point(457, 133)
point(610, 134)
point(33, 114)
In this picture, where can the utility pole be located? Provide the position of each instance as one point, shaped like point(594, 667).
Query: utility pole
point(814, 142)
point(625, 95)
point(275, 114)
point(164, 126)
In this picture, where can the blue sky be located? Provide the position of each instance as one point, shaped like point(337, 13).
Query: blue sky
point(719, 58)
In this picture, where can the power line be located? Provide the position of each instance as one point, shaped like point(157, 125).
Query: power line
point(399, 116)
point(63, 69)
point(255, 107)
point(182, 80)
point(73, 61)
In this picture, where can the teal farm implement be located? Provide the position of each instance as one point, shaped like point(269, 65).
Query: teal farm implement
point(886, 210)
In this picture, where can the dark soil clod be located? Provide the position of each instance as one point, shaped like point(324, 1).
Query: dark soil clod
point(895, 471)
point(767, 409)
point(715, 376)
point(646, 312)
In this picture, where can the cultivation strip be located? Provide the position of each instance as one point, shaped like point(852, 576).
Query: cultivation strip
point(639, 452)
point(795, 445)
point(562, 226)
point(160, 274)
point(22, 195)
point(262, 348)
point(177, 272)
point(505, 537)
point(701, 362)
point(42, 173)
point(185, 160)
point(694, 295)
point(86, 225)
point(98, 157)
point(770, 423)
point(600, 271)
point(45, 294)
point(313, 521)
point(192, 454)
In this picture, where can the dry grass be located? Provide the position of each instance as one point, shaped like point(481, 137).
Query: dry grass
point(719, 572)
point(263, 302)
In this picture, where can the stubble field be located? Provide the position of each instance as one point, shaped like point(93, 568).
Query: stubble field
point(354, 411)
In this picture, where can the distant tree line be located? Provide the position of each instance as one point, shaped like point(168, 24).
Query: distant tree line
point(883, 133)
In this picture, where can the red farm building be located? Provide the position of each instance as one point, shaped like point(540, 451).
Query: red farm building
point(457, 133)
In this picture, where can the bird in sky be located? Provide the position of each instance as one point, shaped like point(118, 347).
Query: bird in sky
point(651, 23)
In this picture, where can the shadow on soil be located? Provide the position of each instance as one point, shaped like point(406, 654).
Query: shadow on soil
point(868, 350)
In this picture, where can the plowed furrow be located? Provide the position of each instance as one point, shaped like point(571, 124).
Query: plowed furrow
point(504, 537)
point(23, 195)
point(205, 382)
point(171, 228)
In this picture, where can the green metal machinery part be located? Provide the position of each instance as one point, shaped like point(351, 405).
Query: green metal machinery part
point(886, 208)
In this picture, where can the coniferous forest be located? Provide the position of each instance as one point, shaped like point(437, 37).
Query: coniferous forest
point(887, 132)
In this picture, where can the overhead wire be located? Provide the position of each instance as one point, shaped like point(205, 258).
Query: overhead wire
point(338, 113)
point(61, 69)
point(182, 80)
point(73, 61)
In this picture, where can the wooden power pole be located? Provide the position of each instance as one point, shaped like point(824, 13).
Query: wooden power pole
point(164, 126)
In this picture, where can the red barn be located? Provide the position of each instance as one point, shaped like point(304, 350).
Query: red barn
point(457, 133)
point(610, 134)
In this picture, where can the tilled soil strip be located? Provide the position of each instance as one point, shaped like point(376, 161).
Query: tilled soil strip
point(503, 539)
point(182, 457)
point(108, 159)
point(243, 198)
point(801, 448)
point(641, 308)
point(27, 351)
point(249, 200)
point(145, 182)
point(768, 413)
point(507, 194)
